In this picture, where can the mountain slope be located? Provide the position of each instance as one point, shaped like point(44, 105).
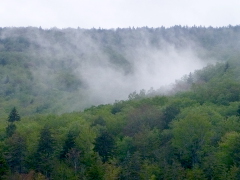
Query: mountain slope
point(62, 70)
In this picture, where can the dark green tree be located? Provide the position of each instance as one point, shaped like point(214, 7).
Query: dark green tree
point(104, 145)
point(14, 116)
point(131, 167)
point(236, 152)
point(44, 154)
point(99, 121)
point(10, 130)
point(226, 66)
point(4, 168)
point(69, 144)
point(16, 153)
point(169, 114)
point(117, 107)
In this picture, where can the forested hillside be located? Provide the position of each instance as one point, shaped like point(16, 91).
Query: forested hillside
point(62, 70)
point(192, 132)
point(190, 135)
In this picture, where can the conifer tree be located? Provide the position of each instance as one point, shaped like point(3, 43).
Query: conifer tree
point(16, 153)
point(14, 116)
point(44, 154)
point(69, 144)
point(4, 168)
point(10, 130)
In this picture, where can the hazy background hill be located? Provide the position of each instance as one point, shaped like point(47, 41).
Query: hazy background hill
point(61, 70)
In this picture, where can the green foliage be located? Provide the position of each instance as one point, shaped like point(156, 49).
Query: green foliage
point(112, 171)
point(117, 107)
point(195, 174)
point(191, 134)
point(96, 170)
point(44, 154)
point(238, 111)
point(68, 145)
point(10, 129)
point(16, 153)
point(4, 168)
point(123, 147)
point(25, 53)
point(13, 116)
point(169, 114)
point(63, 171)
point(145, 116)
point(131, 167)
point(191, 137)
point(104, 145)
point(99, 121)
point(229, 149)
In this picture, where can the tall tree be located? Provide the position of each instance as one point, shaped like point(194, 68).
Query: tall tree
point(73, 158)
point(16, 153)
point(14, 116)
point(44, 154)
point(104, 145)
point(69, 144)
point(70, 153)
point(169, 114)
point(191, 136)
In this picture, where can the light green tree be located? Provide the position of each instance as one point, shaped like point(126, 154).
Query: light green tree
point(191, 137)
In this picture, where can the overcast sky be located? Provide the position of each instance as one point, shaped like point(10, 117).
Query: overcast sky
point(118, 13)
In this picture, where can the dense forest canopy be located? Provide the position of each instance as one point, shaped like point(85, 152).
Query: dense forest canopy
point(189, 130)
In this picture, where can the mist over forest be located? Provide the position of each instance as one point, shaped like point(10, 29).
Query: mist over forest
point(120, 104)
point(84, 67)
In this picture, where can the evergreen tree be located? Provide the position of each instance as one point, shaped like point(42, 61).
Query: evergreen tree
point(10, 130)
point(69, 144)
point(4, 168)
point(14, 116)
point(104, 145)
point(226, 67)
point(16, 153)
point(44, 154)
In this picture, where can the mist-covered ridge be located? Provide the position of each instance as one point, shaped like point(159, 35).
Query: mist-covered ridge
point(60, 70)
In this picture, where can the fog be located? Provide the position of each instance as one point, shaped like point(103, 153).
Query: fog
point(151, 68)
point(107, 66)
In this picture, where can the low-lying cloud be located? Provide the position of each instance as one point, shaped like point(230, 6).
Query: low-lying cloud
point(106, 65)
point(150, 68)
